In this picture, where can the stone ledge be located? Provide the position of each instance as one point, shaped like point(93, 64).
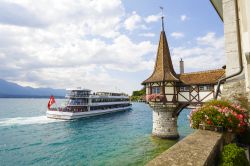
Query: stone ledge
point(198, 149)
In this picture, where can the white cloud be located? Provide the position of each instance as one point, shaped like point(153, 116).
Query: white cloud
point(2, 55)
point(132, 22)
point(152, 18)
point(177, 35)
point(79, 46)
point(208, 53)
point(210, 39)
point(184, 17)
point(88, 17)
point(33, 55)
point(147, 34)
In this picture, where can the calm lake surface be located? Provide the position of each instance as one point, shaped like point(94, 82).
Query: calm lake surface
point(27, 137)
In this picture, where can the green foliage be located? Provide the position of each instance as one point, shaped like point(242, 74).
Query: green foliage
point(139, 92)
point(138, 95)
point(197, 118)
point(224, 103)
point(135, 98)
point(232, 155)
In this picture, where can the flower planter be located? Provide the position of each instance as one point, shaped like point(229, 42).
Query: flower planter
point(211, 127)
point(221, 116)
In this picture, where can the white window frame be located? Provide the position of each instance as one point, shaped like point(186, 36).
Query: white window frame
point(202, 88)
point(184, 88)
point(205, 87)
point(156, 90)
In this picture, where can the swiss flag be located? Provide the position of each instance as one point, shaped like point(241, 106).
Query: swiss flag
point(51, 101)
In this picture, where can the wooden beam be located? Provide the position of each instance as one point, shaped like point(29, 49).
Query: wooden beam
point(206, 96)
point(184, 97)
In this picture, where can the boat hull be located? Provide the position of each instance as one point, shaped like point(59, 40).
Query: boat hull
point(75, 115)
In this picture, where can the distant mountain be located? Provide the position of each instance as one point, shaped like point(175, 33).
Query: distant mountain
point(9, 89)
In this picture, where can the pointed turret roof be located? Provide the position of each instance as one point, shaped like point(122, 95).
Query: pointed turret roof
point(163, 70)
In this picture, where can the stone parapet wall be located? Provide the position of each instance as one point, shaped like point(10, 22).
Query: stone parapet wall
point(198, 149)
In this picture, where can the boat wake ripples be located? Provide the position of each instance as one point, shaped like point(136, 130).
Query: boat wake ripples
point(27, 121)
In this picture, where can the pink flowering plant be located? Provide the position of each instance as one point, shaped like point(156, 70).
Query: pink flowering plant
point(155, 97)
point(219, 113)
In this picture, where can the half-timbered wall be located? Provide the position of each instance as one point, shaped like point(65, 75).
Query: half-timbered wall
point(147, 90)
point(184, 93)
point(169, 91)
point(195, 93)
point(205, 96)
point(183, 96)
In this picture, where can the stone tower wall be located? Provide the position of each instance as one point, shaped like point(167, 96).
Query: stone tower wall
point(238, 84)
point(164, 124)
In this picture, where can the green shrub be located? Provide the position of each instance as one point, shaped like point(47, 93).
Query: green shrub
point(232, 155)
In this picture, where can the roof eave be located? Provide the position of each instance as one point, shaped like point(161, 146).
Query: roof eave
point(146, 82)
point(217, 4)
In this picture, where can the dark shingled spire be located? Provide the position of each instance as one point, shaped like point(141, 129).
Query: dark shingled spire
point(163, 70)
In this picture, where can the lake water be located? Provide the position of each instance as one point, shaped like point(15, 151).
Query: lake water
point(27, 137)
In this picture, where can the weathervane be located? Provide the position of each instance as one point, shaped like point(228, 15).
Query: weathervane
point(162, 18)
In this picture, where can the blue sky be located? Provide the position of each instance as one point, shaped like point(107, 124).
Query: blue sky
point(103, 45)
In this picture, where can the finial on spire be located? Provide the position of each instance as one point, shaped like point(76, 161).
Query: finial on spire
point(162, 18)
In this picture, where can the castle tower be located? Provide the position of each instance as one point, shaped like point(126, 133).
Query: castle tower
point(161, 92)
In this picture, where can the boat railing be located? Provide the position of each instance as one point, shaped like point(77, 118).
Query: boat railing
point(111, 97)
point(77, 103)
point(77, 96)
point(71, 105)
point(69, 109)
point(112, 101)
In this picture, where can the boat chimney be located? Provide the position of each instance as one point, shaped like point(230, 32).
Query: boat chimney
point(181, 66)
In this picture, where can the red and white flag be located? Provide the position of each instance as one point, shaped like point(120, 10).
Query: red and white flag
point(51, 101)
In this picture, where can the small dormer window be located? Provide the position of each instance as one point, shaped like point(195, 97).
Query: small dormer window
point(205, 87)
point(201, 88)
point(156, 90)
point(184, 88)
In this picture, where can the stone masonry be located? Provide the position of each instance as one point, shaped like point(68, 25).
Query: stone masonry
point(200, 148)
point(237, 84)
point(231, 37)
point(164, 124)
point(232, 88)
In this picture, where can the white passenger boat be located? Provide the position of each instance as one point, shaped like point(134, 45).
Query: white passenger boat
point(82, 103)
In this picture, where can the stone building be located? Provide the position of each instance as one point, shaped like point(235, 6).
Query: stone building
point(168, 92)
point(236, 17)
